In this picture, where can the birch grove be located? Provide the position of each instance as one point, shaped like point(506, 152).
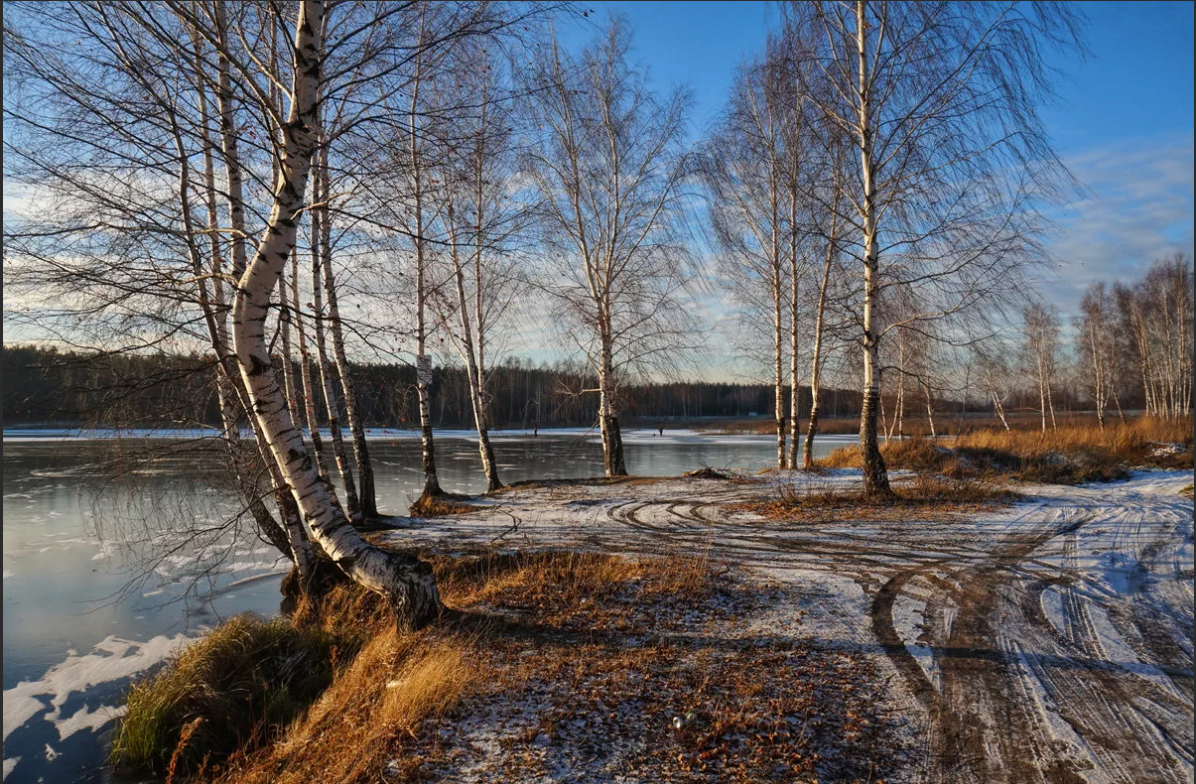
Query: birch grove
point(939, 102)
point(292, 195)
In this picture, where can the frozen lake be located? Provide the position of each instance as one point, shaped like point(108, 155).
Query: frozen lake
point(74, 537)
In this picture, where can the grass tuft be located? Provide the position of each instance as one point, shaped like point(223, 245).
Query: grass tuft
point(437, 506)
point(238, 686)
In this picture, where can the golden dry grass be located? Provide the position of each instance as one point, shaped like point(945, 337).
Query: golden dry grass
point(1071, 454)
point(437, 506)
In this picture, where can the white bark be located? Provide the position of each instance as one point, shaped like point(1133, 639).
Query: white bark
point(406, 582)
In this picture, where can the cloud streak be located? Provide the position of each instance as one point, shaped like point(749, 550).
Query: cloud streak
point(1138, 208)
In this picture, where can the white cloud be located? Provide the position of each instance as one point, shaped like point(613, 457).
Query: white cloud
point(1138, 208)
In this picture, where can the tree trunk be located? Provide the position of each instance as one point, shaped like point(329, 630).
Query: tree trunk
point(291, 541)
point(328, 384)
point(819, 322)
point(467, 350)
point(778, 358)
point(612, 438)
point(423, 362)
point(794, 386)
point(1000, 409)
point(929, 407)
point(876, 475)
point(405, 581)
point(309, 393)
point(367, 500)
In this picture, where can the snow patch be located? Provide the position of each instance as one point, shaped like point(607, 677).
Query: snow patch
point(113, 659)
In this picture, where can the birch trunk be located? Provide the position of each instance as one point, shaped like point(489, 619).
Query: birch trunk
point(328, 382)
point(423, 362)
point(367, 500)
point(876, 475)
point(929, 406)
point(1000, 408)
point(406, 582)
point(819, 325)
point(778, 360)
point(469, 353)
point(612, 438)
point(794, 385)
point(288, 538)
point(305, 377)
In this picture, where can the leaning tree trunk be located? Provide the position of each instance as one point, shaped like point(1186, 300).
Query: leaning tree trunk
point(819, 322)
point(405, 581)
point(929, 406)
point(290, 541)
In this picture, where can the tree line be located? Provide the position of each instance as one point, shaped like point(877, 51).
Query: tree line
point(44, 386)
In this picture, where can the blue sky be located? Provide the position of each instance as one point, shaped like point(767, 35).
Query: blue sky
point(1123, 122)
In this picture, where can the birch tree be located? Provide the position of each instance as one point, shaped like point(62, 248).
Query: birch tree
point(117, 135)
point(404, 580)
point(747, 171)
point(476, 173)
point(1155, 315)
point(939, 101)
point(606, 162)
point(1041, 355)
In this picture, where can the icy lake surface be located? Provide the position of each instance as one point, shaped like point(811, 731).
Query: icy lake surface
point(75, 636)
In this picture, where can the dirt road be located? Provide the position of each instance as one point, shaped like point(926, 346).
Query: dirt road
point(1051, 641)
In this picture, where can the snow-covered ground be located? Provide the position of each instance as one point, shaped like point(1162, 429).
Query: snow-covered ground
point(1050, 641)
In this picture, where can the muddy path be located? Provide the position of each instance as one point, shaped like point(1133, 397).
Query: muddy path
point(1051, 641)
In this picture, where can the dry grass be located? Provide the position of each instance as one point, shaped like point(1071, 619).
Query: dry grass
point(438, 506)
point(925, 497)
point(584, 640)
point(1069, 455)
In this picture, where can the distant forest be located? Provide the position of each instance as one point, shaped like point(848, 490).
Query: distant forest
point(129, 390)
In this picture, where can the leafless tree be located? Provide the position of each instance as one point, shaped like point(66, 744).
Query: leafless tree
point(748, 170)
point(1040, 355)
point(1156, 316)
point(939, 101)
point(606, 162)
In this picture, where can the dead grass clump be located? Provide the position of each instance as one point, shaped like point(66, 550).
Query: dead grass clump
point(236, 688)
point(572, 589)
point(374, 706)
point(926, 497)
point(437, 506)
point(911, 454)
point(1187, 491)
